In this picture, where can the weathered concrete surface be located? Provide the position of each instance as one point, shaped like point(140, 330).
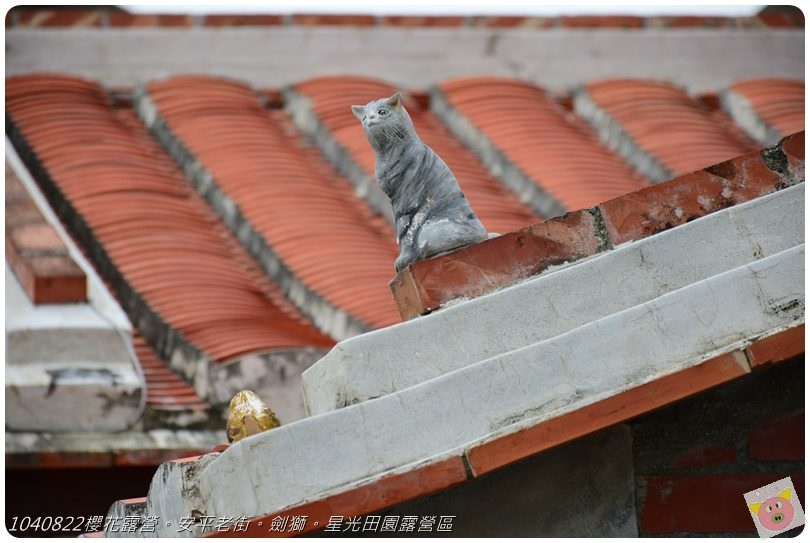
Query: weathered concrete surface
point(173, 494)
point(118, 442)
point(332, 452)
point(121, 509)
point(68, 367)
point(700, 59)
point(575, 490)
point(274, 376)
point(394, 358)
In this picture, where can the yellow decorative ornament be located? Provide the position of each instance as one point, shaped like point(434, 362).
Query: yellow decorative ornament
point(249, 415)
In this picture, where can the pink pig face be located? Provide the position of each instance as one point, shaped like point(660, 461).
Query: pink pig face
point(775, 513)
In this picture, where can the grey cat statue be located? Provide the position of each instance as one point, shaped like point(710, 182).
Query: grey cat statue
point(432, 214)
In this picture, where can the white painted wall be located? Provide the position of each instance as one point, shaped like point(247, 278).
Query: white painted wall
point(556, 58)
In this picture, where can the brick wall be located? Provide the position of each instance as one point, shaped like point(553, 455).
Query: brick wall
point(694, 460)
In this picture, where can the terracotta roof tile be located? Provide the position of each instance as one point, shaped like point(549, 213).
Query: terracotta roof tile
point(656, 126)
point(777, 102)
point(164, 387)
point(160, 236)
point(555, 149)
point(498, 209)
point(309, 216)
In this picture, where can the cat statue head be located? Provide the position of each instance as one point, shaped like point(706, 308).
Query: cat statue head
point(385, 121)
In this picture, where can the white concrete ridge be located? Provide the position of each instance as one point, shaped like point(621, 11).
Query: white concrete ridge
point(332, 452)
point(391, 359)
point(701, 59)
point(274, 376)
point(69, 367)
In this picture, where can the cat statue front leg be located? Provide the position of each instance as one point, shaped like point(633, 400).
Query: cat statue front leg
point(407, 226)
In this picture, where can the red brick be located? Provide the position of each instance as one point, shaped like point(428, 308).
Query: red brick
point(174, 20)
point(692, 21)
point(782, 439)
point(703, 503)
point(37, 238)
point(243, 20)
point(705, 456)
point(412, 21)
point(21, 213)
point(492, 264)
point(307, 19)
point(48, 279)
point(387, 491)
point(73, 17)
point(778, 347)
point(603, 21)
point(688, 197)
point(623, 406)
point(123, 18)
point(776, 20)
point(499, 21)
point(793, 147)
point(28, 16)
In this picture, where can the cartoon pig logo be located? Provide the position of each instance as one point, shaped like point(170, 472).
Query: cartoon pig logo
point(775, 513)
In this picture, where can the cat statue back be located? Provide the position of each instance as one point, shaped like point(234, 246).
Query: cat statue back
point(432, 214)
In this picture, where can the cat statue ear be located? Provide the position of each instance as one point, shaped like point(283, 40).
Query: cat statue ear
point(395, 102)
point(359, 111)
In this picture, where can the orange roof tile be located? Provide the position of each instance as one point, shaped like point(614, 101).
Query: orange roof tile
point(666, 123)
point(498, 209)
point(310, 217)
point(555, 149)
point(158, 233)
point(778, 102)
point(164, 387)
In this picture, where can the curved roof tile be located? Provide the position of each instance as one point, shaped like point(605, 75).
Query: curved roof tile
point(778, 103)
point(310, 217)
point(165, 388)
point(661, 121)
point(331, 98)
point(167, 244)
point(553, 148)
